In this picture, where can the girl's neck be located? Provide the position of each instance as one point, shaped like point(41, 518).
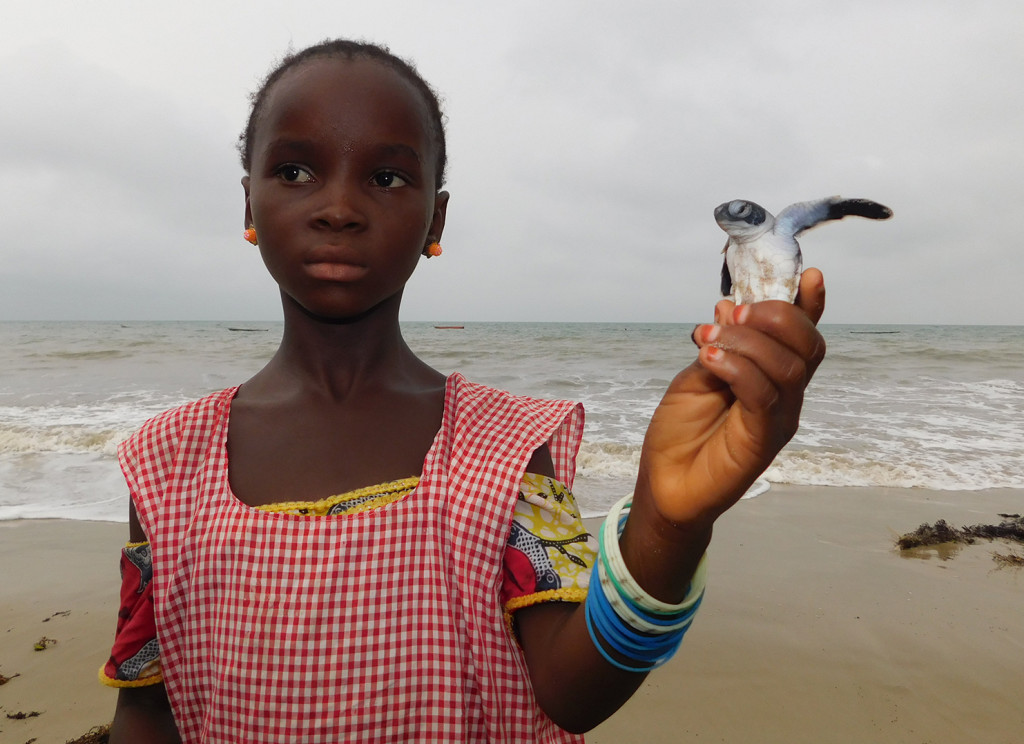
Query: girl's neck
point(338, 359)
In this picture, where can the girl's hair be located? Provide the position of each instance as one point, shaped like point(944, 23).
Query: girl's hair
point(349, 50)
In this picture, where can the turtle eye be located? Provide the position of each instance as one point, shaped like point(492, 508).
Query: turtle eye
point(739, 209)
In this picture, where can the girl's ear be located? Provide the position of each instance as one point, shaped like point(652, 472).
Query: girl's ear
point(248, 212)
point(437, 220)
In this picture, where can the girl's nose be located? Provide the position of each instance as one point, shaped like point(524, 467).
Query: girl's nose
point(340, 207)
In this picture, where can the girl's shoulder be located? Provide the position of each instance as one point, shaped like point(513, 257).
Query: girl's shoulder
point(483, 418)
point(162, 435)
point(210, 408)
point(475, 401)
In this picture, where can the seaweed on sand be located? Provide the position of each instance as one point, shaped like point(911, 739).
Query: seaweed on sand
point(932, 534)
point(1011, 528)
point(44, 643)
point(95, 735)
point(1009, 560)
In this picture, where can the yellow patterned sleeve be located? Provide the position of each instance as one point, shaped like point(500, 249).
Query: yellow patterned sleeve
point(550, 553)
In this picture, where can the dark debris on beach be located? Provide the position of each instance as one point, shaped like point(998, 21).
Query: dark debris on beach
point(22, 715)
point(95, 735)
point(1011, 528)
point(44, 643)
point(1010, 560)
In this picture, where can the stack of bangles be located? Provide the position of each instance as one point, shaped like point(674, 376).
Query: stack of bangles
point(622, 617)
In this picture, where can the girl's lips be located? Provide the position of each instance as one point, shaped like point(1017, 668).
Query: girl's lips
point(335, 271)
point(334, 263)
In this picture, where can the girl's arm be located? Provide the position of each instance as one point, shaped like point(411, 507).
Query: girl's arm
point(719, 425)
point(143, 714)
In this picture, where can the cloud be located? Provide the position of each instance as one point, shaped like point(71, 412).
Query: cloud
point(114, 193)
point(589, 145)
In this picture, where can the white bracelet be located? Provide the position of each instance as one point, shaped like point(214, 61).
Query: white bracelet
point(623, 609)
point(617, 569)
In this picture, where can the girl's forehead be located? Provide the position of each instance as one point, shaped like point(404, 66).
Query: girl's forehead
point(337, 95)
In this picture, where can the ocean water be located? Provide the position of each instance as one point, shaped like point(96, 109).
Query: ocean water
point(939, 407)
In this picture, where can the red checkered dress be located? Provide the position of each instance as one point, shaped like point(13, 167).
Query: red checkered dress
point(385, 625)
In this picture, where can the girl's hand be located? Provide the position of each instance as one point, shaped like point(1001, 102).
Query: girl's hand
point(724, 418)
point(720, 424)
point(718, 427)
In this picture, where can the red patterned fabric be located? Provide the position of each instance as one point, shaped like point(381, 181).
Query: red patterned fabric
point(380, 626)
point(135, 657)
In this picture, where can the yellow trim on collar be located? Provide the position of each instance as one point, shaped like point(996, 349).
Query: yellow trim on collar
point(369, 497)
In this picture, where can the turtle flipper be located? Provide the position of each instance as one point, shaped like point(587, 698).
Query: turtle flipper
point(859, 208)
point(726, 276)
point(801, 216)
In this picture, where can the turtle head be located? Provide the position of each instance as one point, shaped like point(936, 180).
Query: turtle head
point(743, 219)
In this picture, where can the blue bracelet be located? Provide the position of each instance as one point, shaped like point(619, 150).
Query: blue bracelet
point(600, 647)
point(645, 636)
point(623, 636)
point(606, 628)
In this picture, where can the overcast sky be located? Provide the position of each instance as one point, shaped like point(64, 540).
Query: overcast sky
point(589, 145)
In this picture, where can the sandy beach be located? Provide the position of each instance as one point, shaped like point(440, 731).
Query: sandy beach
point(814, 628)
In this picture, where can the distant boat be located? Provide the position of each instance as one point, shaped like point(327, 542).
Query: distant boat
point(247, 329)
point(450, 328)
point(874, 331)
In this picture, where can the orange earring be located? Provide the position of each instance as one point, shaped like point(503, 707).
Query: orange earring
point(434, 249)
point(250, 234)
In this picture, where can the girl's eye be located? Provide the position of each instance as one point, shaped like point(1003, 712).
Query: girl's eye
point(388, 180)
point(294, 174)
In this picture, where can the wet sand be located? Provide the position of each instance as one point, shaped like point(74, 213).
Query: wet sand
point(814, 628)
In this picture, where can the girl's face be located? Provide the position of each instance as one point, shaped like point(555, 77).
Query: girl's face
point(341, 189)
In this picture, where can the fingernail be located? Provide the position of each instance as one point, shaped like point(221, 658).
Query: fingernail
point(711, 333)
point(713, 352)
point(740, 314)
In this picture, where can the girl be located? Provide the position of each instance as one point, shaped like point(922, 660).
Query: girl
point(351, 546)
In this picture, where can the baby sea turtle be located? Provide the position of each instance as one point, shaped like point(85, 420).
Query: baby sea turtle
point(762, 257)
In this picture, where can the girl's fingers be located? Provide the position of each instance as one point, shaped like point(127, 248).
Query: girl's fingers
point(786, 354)
point(794, 326)
point(811, 296)
point(749, 384)
point(768, 389)
point(766, 352)
point(723, 312)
